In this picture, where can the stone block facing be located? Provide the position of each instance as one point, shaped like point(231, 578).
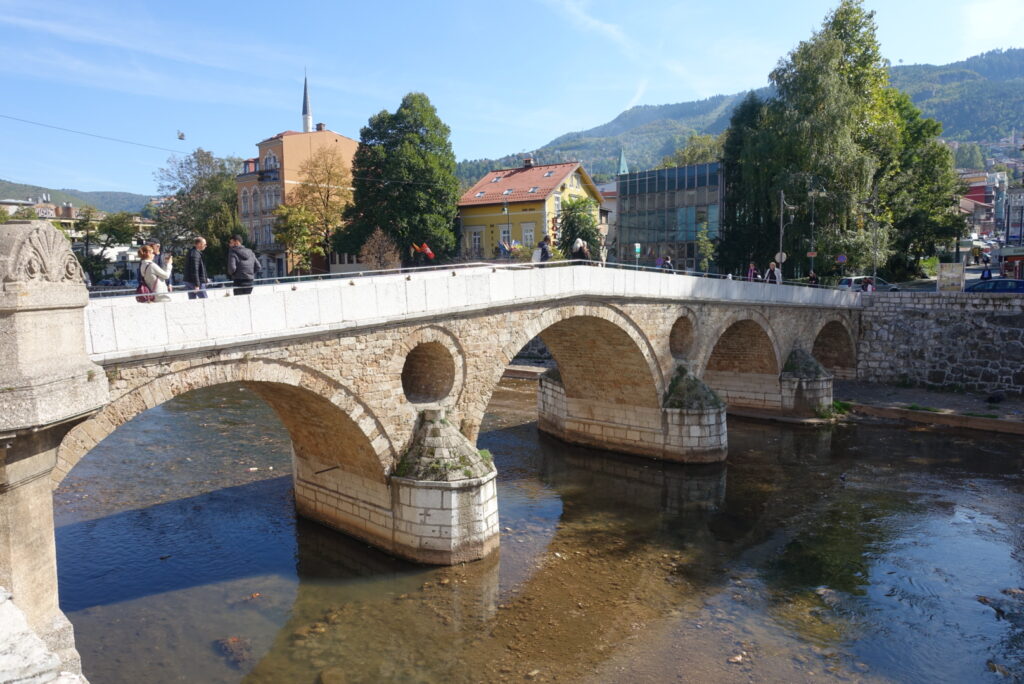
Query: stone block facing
point(683, 435)
point(448, 522)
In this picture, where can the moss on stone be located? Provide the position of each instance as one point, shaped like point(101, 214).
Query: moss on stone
point(689, 393)
point(440, 453)
point(802, 364)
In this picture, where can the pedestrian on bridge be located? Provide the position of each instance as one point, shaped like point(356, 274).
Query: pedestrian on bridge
point(545, 249)
point(243, 266)
point(773, 275)
point(752, 273)
point(195, 270)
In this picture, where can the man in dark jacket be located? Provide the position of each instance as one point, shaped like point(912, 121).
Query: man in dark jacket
point(195, 270)
point(243, 266)
point(545, 248)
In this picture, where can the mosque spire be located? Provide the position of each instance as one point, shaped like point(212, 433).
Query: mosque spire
point(623, 166)
point(307, 115)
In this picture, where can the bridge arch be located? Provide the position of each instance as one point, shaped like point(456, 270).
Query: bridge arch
point(742, 361)
point(745, 339)
point(600, 352)
point(326, 422)
point(835, 350)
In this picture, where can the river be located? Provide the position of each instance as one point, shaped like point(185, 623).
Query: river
point(864, 552)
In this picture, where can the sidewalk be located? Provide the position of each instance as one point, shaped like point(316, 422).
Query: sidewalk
point(955, 409)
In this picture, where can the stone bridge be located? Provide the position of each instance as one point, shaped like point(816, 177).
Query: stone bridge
point(382, 383)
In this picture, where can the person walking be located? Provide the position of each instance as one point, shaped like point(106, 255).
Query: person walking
point(986, 274)
point(153, 275)
point(752, 273)
point(667, 264)
point(163, 261)
point(812, 279)
point(545, 249)
point(773, 275)
point(243, 266)
point(195, 270)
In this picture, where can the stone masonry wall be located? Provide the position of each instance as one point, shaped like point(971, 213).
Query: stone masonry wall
point(954, 340)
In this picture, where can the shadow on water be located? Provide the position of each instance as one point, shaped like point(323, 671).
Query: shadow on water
point(228, 534)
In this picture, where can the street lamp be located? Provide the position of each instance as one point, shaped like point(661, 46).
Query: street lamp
point(781, 256)
point(813, 194)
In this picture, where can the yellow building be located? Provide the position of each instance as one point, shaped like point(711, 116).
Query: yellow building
point(268, 179)
point(520, 205)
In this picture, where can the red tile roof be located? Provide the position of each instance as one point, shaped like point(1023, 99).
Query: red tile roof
point(519, 181)
point(281, 135)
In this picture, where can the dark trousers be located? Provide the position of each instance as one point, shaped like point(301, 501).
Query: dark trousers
point(243, 287)
point(193, 293)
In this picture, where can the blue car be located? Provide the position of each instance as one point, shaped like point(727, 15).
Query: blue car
point(996, 285)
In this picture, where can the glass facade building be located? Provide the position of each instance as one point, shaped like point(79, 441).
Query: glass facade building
point(663, 209)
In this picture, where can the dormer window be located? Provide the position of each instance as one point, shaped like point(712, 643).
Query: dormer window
point(507, 192)
point(481, 193)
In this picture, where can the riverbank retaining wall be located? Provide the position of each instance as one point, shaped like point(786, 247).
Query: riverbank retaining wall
point(949, 341)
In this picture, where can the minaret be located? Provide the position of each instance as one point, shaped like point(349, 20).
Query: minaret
point(307, 116)
point(623, 166)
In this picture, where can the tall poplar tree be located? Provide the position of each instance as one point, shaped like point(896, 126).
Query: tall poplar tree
point(838, 138)
point(403, 175)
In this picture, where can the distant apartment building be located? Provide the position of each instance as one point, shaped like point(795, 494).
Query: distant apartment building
point(987, 195)
point(520, 205)
point(267, 180)
point(662, 210)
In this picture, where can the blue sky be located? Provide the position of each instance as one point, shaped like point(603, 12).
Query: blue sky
point(506, 77)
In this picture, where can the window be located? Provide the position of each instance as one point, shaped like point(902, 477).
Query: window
point(558, 204)
point(496, 179)
point(270, 161)
point(481, 193)
point(528, 233)
point(549, 174)
point(506, 233)
point(535, 188)
point(507, 192)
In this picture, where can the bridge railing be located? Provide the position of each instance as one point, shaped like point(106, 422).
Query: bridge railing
point(121, 328)
point(96, 293)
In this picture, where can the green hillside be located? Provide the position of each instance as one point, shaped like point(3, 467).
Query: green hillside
point(979, 99)
point(104, 201)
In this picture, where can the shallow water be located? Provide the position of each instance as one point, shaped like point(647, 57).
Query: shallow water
point(861, 553)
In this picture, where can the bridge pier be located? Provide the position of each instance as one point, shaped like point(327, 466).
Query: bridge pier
point(439, 507)
point(689, 427)
point(47, 385)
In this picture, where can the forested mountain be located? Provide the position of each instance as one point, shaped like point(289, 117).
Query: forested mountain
point(104, 201)
point(980, 98)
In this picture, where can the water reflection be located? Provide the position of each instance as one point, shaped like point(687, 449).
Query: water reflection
point(860, 552)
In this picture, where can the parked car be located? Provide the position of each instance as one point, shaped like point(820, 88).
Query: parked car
point(132, 284)
point(996, 285)
point(856, 283)
point(110, 282)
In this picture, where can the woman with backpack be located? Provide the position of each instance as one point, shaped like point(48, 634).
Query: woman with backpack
point(152, 276)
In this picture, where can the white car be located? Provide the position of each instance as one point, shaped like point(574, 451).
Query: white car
point(856, 283)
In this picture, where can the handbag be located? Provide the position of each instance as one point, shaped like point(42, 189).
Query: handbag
point(142, 292)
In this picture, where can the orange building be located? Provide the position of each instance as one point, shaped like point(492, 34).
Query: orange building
point(267, 180)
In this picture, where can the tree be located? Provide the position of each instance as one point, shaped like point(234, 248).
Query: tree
point(705, 249)
point(379, 252)
point(969, 156)
point(20, 214)
point(202, 202)
point(295, 228)
point(699, 149)
point(577, 220)
point(835, 131)
point(404, 180)
point(325, 192)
